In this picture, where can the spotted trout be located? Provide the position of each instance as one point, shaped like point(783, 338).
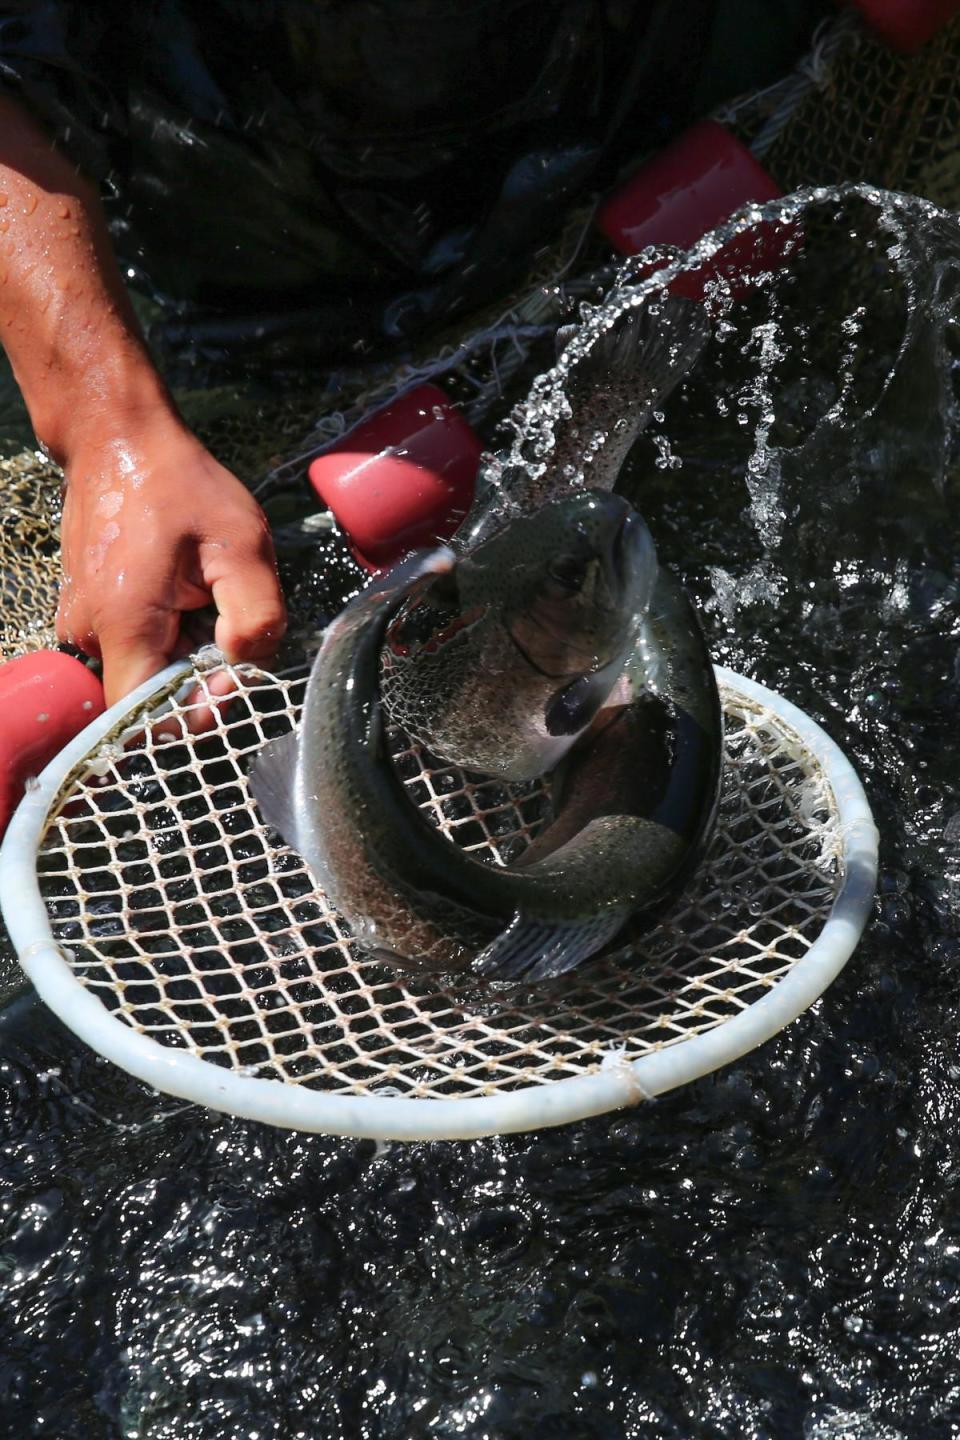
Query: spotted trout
point(332, 792)
point(521, 640)
point(499, 665)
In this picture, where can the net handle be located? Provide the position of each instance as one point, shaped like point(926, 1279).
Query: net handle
point(616, 1084)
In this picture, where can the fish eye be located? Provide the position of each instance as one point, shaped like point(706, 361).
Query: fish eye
point(568, 574)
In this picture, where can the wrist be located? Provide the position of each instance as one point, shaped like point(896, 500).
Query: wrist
point(116, 395)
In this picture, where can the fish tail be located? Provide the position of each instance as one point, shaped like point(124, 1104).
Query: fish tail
point(628, 372)
point(645, 353)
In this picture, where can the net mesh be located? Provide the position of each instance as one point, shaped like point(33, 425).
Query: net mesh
point(874, 115)
point(182, 913)
point(854, 110)
point(29, 552)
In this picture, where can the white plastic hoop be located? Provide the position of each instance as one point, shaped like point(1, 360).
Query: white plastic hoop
point(701, 994)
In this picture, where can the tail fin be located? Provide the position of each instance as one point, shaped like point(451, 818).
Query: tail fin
point(626, 374)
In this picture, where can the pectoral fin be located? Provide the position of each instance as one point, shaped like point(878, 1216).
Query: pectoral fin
point(535, 950)
point(571, 709)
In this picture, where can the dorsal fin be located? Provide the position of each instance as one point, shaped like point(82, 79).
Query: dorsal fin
point(273, 786)
point(534, 950)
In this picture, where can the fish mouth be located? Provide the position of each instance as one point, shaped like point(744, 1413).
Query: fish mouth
point(632, 557)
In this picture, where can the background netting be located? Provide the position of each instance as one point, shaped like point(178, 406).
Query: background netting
point(29, 552)
point(176, 907)
point(854, 110)
point(866, 113)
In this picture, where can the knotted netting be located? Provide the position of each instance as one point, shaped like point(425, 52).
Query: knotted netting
point(29, 553)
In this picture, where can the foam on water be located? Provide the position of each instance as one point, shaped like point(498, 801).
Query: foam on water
point(772, 1253)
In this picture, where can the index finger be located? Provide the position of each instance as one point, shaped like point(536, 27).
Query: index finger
point(252, 616)
point(135, 647)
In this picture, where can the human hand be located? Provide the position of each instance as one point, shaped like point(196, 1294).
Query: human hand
point(154, 528)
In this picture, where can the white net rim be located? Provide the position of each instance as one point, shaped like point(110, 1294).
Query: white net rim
point(619, 1082)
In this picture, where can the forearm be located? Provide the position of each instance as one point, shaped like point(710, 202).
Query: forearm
point(153, 527)
point(66, 321)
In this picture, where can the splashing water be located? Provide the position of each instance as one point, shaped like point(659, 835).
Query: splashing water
point(773, 1252)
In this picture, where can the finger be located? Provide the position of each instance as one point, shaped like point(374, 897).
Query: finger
point(202, 709)
point(136, 648)
point(251, 617)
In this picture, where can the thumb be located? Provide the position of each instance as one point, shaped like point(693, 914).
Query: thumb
point(135, 649)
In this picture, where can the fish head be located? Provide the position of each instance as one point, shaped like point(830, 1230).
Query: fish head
point(570, 582)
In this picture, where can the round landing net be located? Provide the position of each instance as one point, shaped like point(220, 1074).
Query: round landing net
point(168, 927)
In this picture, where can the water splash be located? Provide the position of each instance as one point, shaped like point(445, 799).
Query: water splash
point(812, 373)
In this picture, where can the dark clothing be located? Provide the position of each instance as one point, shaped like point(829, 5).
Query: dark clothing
point(368, 167)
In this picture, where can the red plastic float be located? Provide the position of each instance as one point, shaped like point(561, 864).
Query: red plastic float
point(403, 478)
point(907, 24)
point(690, 187)
point(45, 699)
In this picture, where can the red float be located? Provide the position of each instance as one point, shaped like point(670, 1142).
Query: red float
point(689, 188)
point(45, 700)
point(907, 24)
point(403, 478)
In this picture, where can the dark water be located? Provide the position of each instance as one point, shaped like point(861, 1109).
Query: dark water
point(769, 1254)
